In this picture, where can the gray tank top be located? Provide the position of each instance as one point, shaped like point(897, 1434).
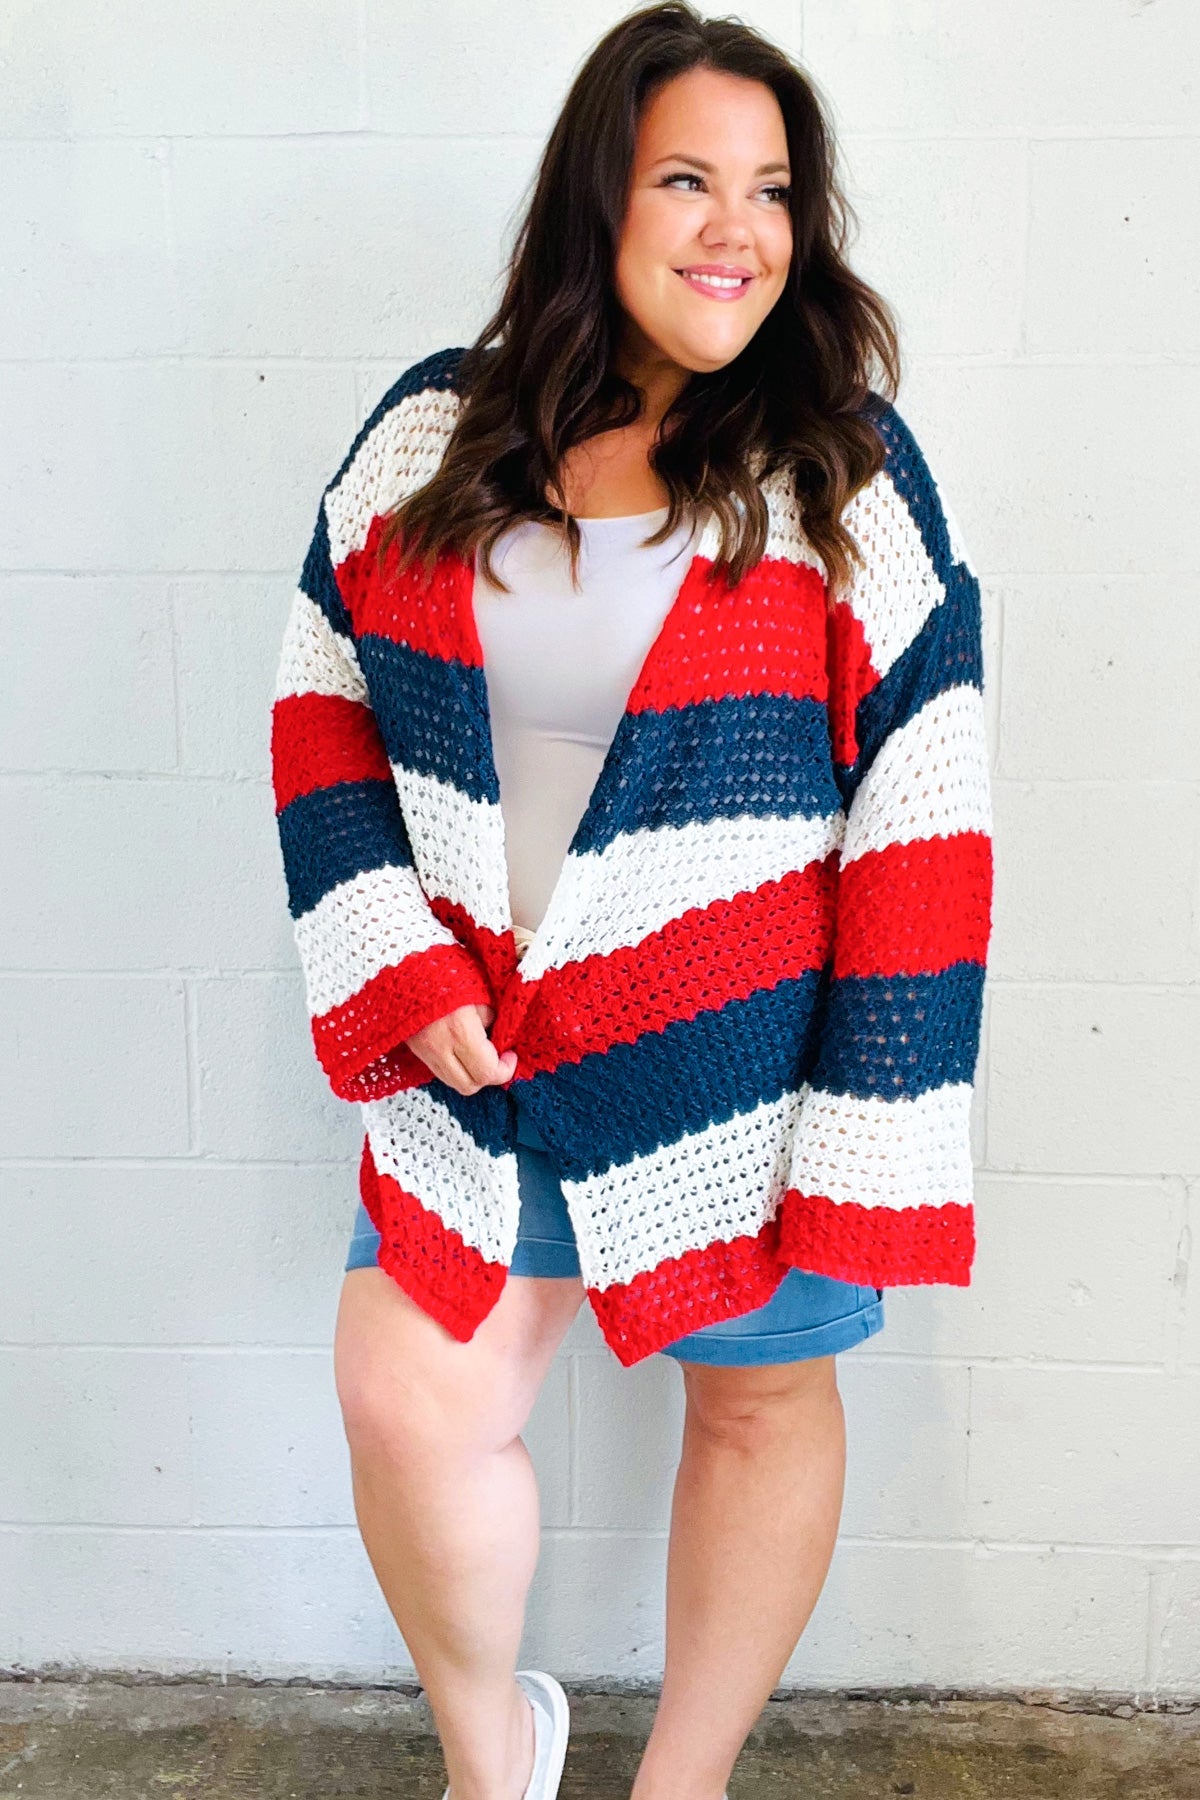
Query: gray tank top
point(559, 666)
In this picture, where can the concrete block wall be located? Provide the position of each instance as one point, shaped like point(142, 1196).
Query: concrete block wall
point(228, 229)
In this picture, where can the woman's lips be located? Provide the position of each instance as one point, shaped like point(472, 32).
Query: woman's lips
point(715, 293)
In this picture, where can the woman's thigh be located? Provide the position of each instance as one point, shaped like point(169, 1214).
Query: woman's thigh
point(403, 1379)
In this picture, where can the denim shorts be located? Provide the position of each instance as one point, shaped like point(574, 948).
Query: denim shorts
point(807, 1315)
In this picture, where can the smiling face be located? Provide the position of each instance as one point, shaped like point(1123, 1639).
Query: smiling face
point(707, 195)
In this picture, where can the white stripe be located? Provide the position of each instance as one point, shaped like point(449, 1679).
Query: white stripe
point(613, 898)
point(404, 451)
point(642, 881)
point(893, 1153)
point(893, 593)
point(786, 536)
point(419, 1143)
point(786, 540)
point(361, 927)
point(399, 455)
point(459, 844)
point(707, 1187)
point(929, 778)
point(316, 659)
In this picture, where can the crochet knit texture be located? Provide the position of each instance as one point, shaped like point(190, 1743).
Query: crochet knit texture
point(747, 1025)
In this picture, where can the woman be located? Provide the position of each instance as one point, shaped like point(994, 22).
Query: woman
point(688, 1025)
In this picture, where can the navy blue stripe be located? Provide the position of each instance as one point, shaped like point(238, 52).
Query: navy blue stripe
point(337, 832)
point(481, 1117)
point(712, 1066)
point(892, 1037)
point(766, 755)
point(431, 713)
point(913, 480)
point(947, 652)
point(319, 583)
point(632, 1098)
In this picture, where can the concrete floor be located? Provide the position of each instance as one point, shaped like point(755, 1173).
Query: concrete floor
point(113, 1740)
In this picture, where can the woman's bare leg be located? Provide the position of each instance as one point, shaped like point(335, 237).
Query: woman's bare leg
point(447, 1501)
point(754, 1520)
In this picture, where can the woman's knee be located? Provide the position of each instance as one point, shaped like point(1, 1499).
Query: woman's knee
point(407, 1388)
point(745, 1404)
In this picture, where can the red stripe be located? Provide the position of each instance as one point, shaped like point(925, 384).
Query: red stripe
point(878, 1247)
point(850, 677)
point(765, 637)
point(431, 612)
point(914, 909)
point(448, 1278)
point(361, 1043)
point(697, 963)
point(494, 951)
point(882, 1246)
point(318, 740)
point(685, 1293)
point(700, 652)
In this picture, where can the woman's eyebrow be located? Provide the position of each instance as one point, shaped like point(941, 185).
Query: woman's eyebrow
point(698, 162)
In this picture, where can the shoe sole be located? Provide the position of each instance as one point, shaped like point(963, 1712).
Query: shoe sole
point(551, 1693)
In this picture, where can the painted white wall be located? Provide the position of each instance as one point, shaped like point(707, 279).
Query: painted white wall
point(228, 227)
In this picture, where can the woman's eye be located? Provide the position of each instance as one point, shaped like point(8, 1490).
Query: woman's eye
point(781, 192)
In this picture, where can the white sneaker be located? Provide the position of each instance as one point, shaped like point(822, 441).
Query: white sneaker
point(551, 1726)
point(552, 1723)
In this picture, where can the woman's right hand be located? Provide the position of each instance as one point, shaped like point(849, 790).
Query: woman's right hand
point(459, 1051)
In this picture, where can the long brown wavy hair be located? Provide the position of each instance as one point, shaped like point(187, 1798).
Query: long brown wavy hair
point(798, 394)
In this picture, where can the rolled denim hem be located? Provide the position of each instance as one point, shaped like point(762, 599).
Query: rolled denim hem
point(779, 1346)
point(548, 1255)
point(363, 1252)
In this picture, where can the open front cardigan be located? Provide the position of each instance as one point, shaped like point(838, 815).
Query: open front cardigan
point(747, 1025)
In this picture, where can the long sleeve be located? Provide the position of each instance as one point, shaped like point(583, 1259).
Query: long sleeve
point(881, 1160)
point(377, 962)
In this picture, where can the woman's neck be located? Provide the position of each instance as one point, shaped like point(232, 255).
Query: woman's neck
point(610, 476)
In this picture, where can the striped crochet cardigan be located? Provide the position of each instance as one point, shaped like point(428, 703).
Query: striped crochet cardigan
point(748, 1024)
